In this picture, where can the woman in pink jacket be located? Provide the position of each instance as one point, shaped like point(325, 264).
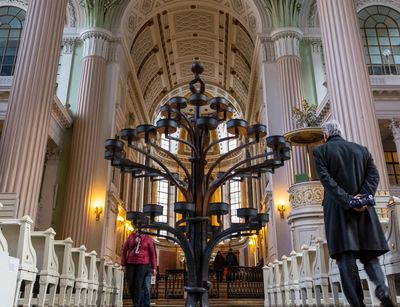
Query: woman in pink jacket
point(139, 257)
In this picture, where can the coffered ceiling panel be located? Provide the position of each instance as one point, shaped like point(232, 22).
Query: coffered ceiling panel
point(175, 33)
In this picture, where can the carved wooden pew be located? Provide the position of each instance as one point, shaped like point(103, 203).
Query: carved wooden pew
point(18, 235)
point(336, 284)
point(118, 283)
point(321, 274)
point(391, 260)
point(93, 278)
point(47, 264)
point(109, 282)
point(277, 267)
point(306, 275)
point(103, 286)
point(294, 275)
point(63, 249)
point(81, 275)
point(267, 272)
point(286, 264)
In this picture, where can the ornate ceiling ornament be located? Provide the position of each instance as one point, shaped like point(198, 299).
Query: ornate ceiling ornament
point(71, 14)
point(99, 13)
point(284, 13)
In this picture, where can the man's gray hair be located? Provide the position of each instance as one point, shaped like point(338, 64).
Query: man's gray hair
point(332, 128)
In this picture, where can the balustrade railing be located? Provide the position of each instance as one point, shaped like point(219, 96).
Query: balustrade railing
point(311, 278)
point(52, 272)
point(245, 282)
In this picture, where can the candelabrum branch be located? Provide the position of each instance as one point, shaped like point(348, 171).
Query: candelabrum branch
point(184, 142)
point(188, 125)
point(167, 171)
point(217, 142)
point(172, 156)
point(224, 156)
point(270, 163)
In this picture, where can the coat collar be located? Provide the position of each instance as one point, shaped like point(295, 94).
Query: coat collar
point(334, 138)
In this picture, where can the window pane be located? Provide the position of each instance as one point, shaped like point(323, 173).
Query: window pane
point(393, 32)
point(372, 41)
point(376, 60)
point(374, 51)
point(384, 41)
point(11, 21)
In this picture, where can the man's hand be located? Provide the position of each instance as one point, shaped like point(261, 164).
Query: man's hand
point(154, 272)
point(362, 209)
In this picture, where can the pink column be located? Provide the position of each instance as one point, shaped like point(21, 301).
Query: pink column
point(85, 136)
point(348, 80)
point(24, 138)
point(287, 53)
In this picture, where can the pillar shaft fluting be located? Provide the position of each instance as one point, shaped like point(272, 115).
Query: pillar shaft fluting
point(85, 136)
point(348, 80)
point(24, 138)
point(287, 51)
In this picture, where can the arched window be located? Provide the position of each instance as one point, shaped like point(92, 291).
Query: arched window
point(223, 133)
point(170, 145)
point(162, 199)
point(11, 24)
point(235, 198)
point(380, 32)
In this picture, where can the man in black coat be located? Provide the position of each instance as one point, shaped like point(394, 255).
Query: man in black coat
point(347, 171)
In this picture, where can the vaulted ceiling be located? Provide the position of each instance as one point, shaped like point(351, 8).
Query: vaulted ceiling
point(168, 35)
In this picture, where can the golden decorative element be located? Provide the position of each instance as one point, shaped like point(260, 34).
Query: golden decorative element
point(305, 136)
point(306, 117)
point(306, 194)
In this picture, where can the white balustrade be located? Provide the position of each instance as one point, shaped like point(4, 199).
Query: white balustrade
point(65, 276)
point(321, 274)
point(294, 275)
point(286, 264)
point(47, 264)
point(66, 267)
point(277, 265)
point(18, 235)
point(391, 260)
point(117, 287)
point(266, 273)
point(81, 275)
point(103, 286)
point(109, 282)
point(305, 278)
point(93, 278)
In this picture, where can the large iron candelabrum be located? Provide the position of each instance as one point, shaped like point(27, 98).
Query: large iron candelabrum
point(194, 232)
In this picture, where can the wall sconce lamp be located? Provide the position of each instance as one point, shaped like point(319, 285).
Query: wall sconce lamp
point(98, 209)
point(281, 209)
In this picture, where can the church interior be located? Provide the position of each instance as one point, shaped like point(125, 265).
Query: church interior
point(194, 122)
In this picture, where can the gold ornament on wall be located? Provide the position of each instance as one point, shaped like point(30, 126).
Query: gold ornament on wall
point(306, 116)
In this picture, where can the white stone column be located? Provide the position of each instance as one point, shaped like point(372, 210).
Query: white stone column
point(65, 68)
point(395, 127)
point(287, 53)
point(26, 129)
point(319, 71)
point(80, 194)
point(348, 80)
